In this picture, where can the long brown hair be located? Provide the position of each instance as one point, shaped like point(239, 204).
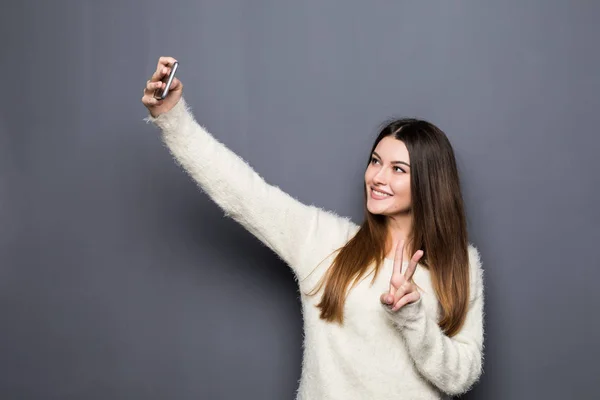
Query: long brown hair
point(439, 229)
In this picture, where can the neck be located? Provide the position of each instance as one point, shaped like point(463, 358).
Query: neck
point(399, 227)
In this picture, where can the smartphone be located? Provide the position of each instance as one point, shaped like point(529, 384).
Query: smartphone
point(168, 80)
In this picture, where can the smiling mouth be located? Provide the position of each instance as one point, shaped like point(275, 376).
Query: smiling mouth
point(378, 193)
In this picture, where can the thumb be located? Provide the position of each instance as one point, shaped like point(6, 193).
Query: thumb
point(176, 85)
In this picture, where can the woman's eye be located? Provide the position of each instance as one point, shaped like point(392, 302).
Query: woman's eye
point(398, 169)
point(374, 160)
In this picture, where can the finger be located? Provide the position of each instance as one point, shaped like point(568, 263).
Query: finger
point(407, 299)
point(397, 270)
point(150, 101)
point(386, 298)
point(176, 85)
point(402, 290)
point(162, 68)
point(159, 74)
point(412, 266)
point(152, 86)
point(165, 61)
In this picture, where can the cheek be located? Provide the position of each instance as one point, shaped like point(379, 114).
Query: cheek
point(368, 175)
point(401, 187)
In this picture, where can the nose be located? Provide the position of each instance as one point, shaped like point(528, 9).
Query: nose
point(380, 177)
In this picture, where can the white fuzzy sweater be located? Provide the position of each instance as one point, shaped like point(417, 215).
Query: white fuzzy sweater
point(377, 353)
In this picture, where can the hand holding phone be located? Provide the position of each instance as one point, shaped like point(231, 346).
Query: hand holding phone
point(168, 80)
point(163, 90)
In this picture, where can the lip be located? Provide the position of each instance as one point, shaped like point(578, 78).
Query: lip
point(377, 197)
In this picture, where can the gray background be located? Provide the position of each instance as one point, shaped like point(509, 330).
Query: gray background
point(119, 279)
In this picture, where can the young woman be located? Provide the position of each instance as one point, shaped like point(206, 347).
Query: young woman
point(392, 308)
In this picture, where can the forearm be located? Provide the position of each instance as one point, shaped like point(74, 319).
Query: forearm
point(451, 364)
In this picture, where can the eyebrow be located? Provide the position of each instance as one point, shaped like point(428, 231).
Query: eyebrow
point(393, 162)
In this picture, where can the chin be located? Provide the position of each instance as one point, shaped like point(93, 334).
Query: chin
point(375, 210)
point(385, 212)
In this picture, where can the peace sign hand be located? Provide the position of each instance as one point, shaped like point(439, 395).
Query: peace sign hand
point(402, 289)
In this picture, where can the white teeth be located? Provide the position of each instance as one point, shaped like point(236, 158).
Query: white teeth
point(377, 192)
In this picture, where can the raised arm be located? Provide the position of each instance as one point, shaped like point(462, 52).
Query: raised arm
point(298, 233)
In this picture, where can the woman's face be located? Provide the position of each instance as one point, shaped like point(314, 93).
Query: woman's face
point(387, 178)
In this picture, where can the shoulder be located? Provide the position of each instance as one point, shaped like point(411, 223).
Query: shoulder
point(326, 233)
point(331, 228)
point(475, 272)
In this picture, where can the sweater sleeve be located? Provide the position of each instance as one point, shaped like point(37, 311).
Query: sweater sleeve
point(452, 364)
point(299, 234)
